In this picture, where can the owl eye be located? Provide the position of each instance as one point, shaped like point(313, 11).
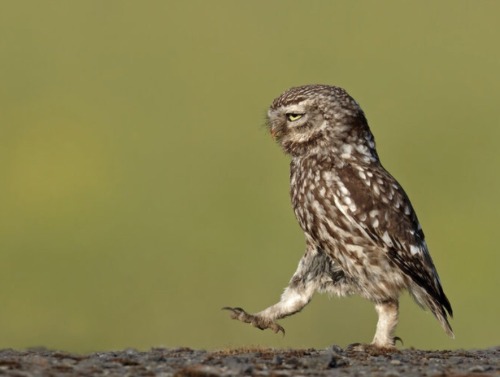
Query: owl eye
point(292, 117)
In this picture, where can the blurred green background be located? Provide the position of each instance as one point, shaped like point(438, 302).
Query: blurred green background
point(140, 192)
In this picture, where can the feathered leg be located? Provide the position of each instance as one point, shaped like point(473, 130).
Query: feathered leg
point(387, 321)
point(313, 273)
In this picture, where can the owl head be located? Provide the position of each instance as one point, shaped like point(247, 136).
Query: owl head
point(319, 119)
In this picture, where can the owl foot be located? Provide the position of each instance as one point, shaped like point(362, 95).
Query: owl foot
point(255, 320)
point(371, 349)
point(375, 348)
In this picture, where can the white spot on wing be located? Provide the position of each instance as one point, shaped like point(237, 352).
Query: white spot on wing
point(387, 239)
point(414, 250)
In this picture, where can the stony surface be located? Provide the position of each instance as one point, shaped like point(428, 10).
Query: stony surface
point(252, 362)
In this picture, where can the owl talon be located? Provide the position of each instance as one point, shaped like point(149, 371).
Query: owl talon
point(355, 347)
point(255, 320)
point(372, 349)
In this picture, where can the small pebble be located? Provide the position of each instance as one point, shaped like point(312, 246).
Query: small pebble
point(277, 360)
point(391, 373)
point(339, 362)
point(476, 369)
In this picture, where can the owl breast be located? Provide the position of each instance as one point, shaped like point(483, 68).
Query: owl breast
point(321, 201)
point(326, 211)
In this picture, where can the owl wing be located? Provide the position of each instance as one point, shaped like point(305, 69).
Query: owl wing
point(384, 212)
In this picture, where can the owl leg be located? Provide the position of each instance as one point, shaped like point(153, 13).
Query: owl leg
point(387, 321)
point(292, 301)
point(304, 282)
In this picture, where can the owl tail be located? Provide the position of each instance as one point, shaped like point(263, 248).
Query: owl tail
point(438, 304)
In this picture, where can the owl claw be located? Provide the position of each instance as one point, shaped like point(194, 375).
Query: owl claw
point(375, 347)
point(255, 320)
point(371, 348)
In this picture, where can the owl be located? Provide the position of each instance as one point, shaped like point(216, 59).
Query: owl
point(361, 232)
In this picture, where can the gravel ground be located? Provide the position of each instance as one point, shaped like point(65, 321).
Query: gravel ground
point(334, 361)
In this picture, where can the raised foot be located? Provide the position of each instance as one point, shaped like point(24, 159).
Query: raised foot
point(255, 320)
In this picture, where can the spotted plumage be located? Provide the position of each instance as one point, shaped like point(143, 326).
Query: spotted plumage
point(362, 234)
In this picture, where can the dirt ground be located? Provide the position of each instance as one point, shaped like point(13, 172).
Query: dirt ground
point(334, 361)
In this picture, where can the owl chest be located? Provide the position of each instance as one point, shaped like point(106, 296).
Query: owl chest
point(316, 207)
point(325, 212)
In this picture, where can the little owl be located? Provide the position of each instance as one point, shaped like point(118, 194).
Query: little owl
point(362, 234)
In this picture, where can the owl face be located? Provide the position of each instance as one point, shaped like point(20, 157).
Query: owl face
point(318, 119)
point(295, 122)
